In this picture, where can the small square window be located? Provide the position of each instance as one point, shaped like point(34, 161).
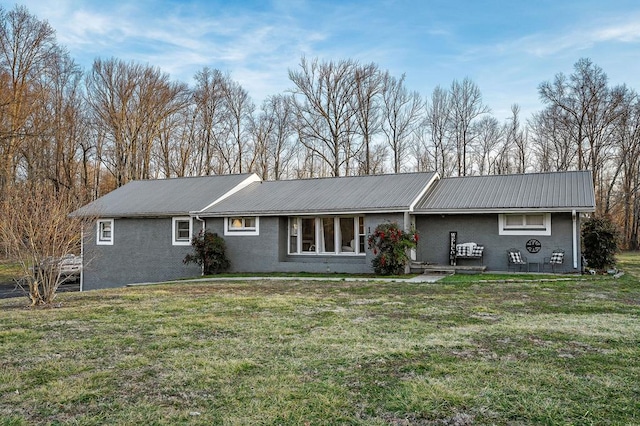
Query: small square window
point(181, 231)
point(104, 232)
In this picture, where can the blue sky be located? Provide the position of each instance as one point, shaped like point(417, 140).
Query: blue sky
point(506, 47)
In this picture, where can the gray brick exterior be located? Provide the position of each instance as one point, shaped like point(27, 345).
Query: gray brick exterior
point(483, 229)
point(142, 252)
point(267, 252)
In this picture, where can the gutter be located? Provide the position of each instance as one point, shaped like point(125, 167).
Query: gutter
point(506, 210)
point(198, 218)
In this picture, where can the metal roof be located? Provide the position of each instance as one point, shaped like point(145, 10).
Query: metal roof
point(378, 193)
point(164, 197)
point(554, 191)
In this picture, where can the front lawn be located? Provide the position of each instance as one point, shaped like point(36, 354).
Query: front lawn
point(9, 271)
point(295, 352)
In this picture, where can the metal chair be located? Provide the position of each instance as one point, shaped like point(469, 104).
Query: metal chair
point(556, 260)
point(515, 259)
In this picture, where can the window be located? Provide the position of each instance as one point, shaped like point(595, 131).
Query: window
point(525, 224)
point(241, 225)
point(104, 232)
point(181, 231)
point(326, 235)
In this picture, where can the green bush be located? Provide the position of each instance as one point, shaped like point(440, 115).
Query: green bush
point(209, 252)
point(390, 245)
point(600, 242)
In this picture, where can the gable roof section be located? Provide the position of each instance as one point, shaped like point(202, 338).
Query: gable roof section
point(350, 194)
point(165, 197)
point(555, 191)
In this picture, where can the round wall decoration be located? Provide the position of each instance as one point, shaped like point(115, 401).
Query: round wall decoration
point(533, 246)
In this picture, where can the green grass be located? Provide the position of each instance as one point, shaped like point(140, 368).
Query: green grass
point(629, 262)
point(9, 271)
point(331, 275)
point(329, 352)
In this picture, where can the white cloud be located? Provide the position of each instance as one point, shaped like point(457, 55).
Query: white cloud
point(629, 32)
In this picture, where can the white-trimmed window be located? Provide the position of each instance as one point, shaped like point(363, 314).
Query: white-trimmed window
point(525, 224)
point(327, 235)
point(104, 231)
point(181, 231)
point(242, 225)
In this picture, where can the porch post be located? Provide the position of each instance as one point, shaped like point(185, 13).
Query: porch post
point(575, 239)
point(412, 254)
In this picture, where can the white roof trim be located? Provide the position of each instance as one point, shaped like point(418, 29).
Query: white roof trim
point(249, 180)
point(434, 178)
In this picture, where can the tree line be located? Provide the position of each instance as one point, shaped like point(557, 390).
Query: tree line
point(82, 133)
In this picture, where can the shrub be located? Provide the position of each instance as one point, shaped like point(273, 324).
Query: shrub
point(209, 252)
point(390, 245)
point(37, 232)
point(600, 242)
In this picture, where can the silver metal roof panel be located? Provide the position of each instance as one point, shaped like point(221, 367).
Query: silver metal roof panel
point(163, 197)
point(371, 193)
point(551, 191)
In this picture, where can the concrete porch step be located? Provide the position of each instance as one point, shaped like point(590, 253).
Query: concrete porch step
point(447, 269)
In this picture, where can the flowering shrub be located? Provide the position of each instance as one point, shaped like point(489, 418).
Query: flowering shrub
point(390, 245)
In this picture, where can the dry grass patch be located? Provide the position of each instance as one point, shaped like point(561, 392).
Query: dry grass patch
point(294, 352)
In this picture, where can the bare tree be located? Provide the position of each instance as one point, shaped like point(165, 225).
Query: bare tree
point(401, 111)
point(272, 133)
point(551, 141)
point(592, 107)
point(438, 117)
point(27, 46)
point(516, 139)
point(369, 82)
point(422, 149)
point(38, 240)
point(239, 116)
point(627, 172)
point(59, 128)
point(173, 150)
point(130, 102)
point(209, 118)
point(466, 105)
point(488, 140)
point(323, 104)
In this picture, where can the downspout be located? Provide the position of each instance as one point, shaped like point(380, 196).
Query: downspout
point(574, 216)
point(82, 257)
point(197, 217)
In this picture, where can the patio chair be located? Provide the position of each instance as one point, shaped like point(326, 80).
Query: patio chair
point(516, 260)
point(556, 260)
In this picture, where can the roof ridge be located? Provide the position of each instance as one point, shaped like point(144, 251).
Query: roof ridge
point(516, 174)
point(350, 177)
point(189, 177)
